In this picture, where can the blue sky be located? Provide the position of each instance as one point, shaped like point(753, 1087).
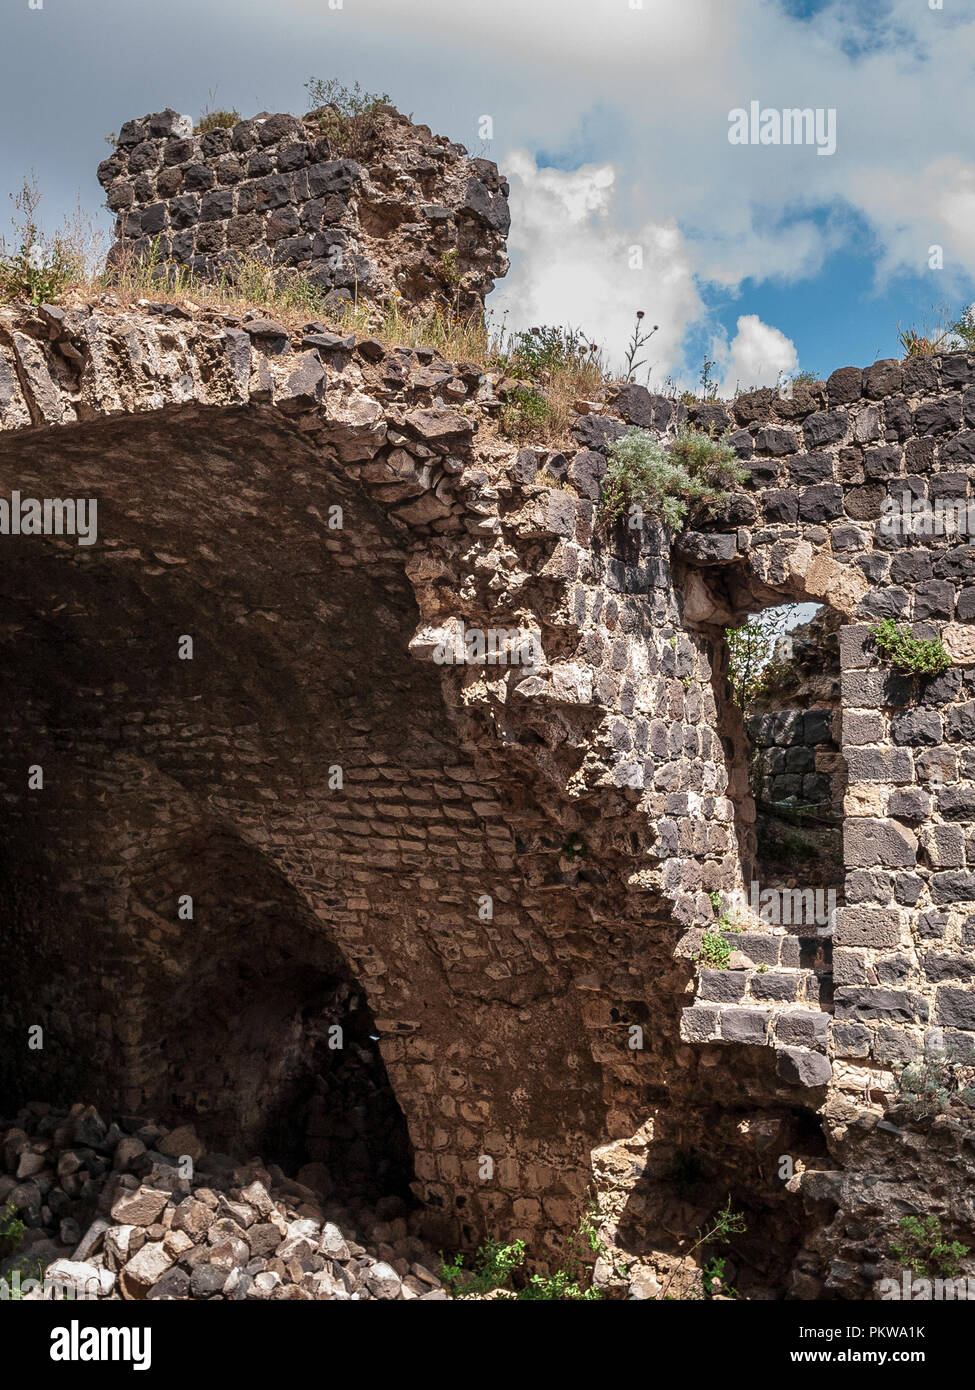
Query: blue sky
point(611, 118)
point(840, 312)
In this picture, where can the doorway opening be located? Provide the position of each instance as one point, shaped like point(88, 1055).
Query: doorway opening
point(787, 773)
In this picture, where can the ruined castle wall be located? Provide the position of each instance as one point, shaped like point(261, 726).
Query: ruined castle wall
point(829, 468)
point(794, 757)
point(647, 683)
point(793, 721)
point(595, 795)
point(525, 784)
point(410, 216)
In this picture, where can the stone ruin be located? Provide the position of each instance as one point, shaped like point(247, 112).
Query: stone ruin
point(411, 217)
point(495, 877)
point(793, 726)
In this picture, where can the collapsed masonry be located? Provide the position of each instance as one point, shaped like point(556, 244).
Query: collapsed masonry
point(111, 1212)
point(409, 217)
point(507, 868)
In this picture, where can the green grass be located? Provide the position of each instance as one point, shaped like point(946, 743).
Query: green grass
point(493, 1267)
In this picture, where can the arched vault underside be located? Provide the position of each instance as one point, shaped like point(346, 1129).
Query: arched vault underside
point(490, 877)
point(338, 826)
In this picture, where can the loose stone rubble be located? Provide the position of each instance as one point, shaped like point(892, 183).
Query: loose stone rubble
point(109, 1215)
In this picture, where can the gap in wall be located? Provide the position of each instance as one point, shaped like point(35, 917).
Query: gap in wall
point(787, 774)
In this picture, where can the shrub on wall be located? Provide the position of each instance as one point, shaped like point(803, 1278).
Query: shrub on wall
point(689, 477)
point(216, 120)
point(347, 117)
point(916, 656)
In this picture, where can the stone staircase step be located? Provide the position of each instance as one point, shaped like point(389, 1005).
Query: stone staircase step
point(792, 952)
point(755, 1025)
point(762, 986)
point(777, 991)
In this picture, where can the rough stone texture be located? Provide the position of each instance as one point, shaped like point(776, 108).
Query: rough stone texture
point(793, 728)
point(216, 461)
point(492, 875)
point(410, 216)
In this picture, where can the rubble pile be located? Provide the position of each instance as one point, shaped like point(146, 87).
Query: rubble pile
point(129, 1209)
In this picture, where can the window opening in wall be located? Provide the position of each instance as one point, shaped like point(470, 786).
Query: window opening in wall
point(788, 775)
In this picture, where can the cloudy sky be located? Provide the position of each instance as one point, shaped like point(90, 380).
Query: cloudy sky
point(611, 119)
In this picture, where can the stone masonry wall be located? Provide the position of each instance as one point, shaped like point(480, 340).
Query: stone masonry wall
point(411, 216)
point(217, 451)
point(606, 751)
point(828, 467)
point(792, 749)
point(592, 795)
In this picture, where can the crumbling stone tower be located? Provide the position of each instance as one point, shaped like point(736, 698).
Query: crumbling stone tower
point(411, 216)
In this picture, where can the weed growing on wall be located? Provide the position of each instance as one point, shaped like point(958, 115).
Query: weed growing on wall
point(941, 333)
point(11, 1230)
point(725, 1224)
point(347, 117)
point(916, 656)
point(637, 343)
point(558, 366)
point(216, 120)
point(690, 477)
point(526, 415)
point(715, 952)
point(548, 349)
point(929, 1085)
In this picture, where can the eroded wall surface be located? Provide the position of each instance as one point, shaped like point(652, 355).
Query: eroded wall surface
point(586, 796)
point(408, 215)
point(459, 751)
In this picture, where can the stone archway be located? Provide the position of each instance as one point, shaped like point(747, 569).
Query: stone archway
point(299, 778)
point(587, 798)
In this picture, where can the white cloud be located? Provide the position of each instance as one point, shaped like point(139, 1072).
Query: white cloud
point(713, 213)
point(942, 196)
point(756, 355)
point(572, 265)
point(642, 94)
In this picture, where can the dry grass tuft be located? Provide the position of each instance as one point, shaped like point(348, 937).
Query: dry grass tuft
point(540, 375)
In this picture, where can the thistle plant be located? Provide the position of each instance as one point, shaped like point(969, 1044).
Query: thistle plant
point(34, 269)
point(636, 344)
